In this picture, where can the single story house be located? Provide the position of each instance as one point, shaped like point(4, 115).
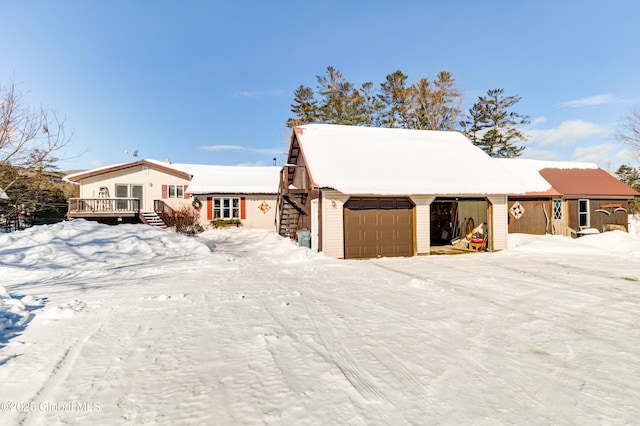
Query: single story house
point(246, 193)
point(579, 198)
point(361, 192)
point(146, 191)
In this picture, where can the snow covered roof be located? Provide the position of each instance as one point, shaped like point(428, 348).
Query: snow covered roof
point(231, 179)
point(383, 161)
point(205, 179)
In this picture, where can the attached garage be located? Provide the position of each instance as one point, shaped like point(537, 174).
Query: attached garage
point(369, 192)
point(376, 227)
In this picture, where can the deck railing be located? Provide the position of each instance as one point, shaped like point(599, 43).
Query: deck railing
point(286, 179)
point(104, 205)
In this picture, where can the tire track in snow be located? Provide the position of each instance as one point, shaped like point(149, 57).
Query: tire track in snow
point(471, 291)
point(58, 375)
point(341, 357)
point(334, 353)
point(564, 315)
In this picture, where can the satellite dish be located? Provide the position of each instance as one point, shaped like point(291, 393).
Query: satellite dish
point(134, 153)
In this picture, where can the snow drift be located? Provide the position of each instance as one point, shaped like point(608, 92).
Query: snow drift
point(130, 323)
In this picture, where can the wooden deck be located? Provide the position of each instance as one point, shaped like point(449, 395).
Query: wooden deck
point(103, 207)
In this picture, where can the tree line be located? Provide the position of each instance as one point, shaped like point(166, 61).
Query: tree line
point(428, 104)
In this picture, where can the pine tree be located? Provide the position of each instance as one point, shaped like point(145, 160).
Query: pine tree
point(435, 105)
point(492, 126)
point(370, 105)
point(305, 107)
point(631, 177)
point(446, 102)
point(394, 101)
point(425, 105)
point(335, 92)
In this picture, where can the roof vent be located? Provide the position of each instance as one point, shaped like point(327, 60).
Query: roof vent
point(167, 160)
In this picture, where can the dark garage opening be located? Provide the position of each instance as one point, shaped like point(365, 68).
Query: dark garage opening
point(452, 219)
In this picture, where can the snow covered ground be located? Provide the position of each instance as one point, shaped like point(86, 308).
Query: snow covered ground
point(132, 324)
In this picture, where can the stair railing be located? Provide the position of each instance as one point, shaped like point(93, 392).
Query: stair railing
point(166, 213)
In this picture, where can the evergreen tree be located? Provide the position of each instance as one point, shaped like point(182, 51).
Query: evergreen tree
point(370, 105)
point(425, 105)
point(492, 126)
point(473, 124)
point(631, 177)
point(394, 101)
point(336, 93)
point(435, 105)
point(446, 101)
point(305, 107)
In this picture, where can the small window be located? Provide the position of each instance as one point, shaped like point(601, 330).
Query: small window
point(557, 209)
point(176, 191)
point(583, 213)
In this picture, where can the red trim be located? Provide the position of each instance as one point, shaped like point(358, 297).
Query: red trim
point(243, 208)
point(298, 132)
point(167, 169)
point(209, 208)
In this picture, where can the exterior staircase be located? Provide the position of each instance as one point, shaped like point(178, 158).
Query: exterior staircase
point(292, 202)
point(291, 208)
point(152, 218)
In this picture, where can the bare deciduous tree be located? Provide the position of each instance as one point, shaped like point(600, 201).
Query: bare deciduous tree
point(630, 131)
point(30, 138)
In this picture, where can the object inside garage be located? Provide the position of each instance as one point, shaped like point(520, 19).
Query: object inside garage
point(460, 223)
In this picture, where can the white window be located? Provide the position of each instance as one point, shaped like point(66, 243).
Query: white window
point(176, 191)
point(226, 208)
point(583, 213)
point(557, 209)
point(128, 191)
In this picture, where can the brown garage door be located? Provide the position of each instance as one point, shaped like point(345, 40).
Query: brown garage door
point(375, 227)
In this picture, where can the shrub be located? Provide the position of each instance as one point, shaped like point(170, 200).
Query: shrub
point(185, 221)
point(223, 223)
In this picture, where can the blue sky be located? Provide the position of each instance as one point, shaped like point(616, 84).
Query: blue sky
point(212, 82)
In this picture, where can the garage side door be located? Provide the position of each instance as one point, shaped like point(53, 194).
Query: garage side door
point(376, 227)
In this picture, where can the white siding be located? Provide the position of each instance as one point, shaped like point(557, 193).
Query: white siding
point(499, 225)
point(314, 225)
point(423, 222)
point(333, 223)
point(150, 179)
point(255, 216)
